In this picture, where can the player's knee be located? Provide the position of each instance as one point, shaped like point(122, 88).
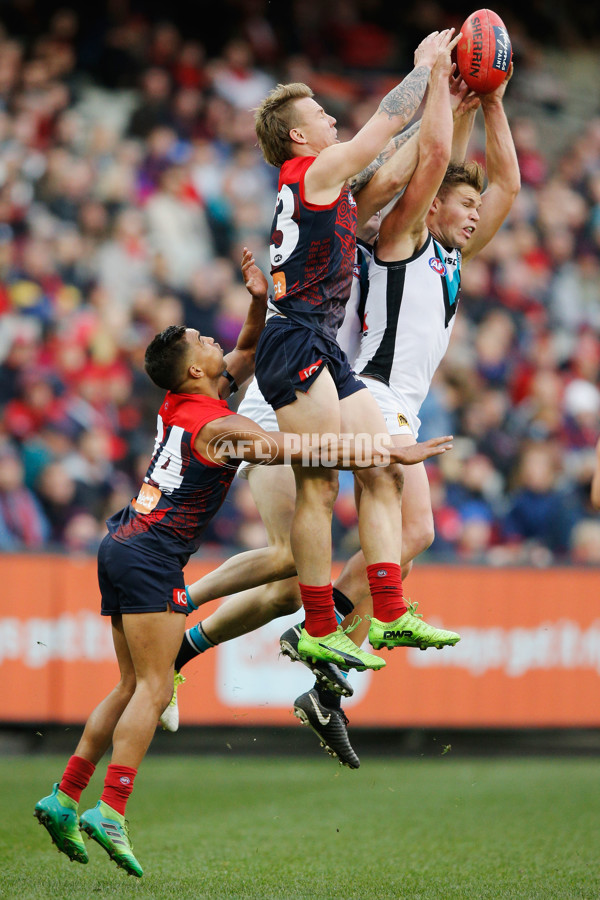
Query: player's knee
point(287, 604)
point(426, 536)
point(320, 492)
point(126, 686)
point(330, 491)
point(164, 694)
point(283, 599)
point(386, 478)
point(416, 538)
point(283, 561)
point(396, 477)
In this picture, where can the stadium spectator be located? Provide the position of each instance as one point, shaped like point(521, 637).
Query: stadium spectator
point(541, 514)
point(90, 121)
point(23, 525)
point(177, 226)
point(154, 107)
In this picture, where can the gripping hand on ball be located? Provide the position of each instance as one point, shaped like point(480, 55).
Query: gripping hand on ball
point(462, 99)
point(446, 42)
point(498, 94)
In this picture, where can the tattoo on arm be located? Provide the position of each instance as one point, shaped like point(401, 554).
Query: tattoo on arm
point(359, 181)
point(405, 98)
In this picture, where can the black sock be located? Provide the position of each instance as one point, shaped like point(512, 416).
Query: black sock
point(189, 650)
point(343, 604)
point(328, 698)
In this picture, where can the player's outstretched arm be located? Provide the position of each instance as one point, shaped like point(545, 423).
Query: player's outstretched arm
point(389, 174)
point(465, 104)
point(358, 182)
point(237, 437)
point(339, 162)
point(240, 362)
point(416, 453)
point(504, 178)
point(402, 229)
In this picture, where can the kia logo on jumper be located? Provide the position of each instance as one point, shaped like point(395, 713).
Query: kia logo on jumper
point(437, 265)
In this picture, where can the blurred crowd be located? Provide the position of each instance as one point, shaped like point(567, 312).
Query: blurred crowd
point(129, 182)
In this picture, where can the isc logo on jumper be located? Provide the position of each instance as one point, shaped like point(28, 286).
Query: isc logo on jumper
point(438, 266)
point(303, 374)
point(179, 597)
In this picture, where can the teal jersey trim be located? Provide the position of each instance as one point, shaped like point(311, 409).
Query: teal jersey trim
point(451, 281)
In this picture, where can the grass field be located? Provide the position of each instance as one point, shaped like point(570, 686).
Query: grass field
point(233, 827)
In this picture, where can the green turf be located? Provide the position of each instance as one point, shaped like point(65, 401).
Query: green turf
point(233, 827)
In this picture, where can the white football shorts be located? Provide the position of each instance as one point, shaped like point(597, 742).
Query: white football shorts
point(399, 418)
point(256, 408)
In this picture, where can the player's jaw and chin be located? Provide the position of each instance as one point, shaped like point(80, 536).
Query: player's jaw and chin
point(452, 229)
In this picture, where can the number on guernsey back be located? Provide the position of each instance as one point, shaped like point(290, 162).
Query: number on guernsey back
point(285, 224)
point(168, 468)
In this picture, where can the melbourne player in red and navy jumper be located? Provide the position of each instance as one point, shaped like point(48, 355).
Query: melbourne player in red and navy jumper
point(312, 257)
point(140, 564)
point(150, 541)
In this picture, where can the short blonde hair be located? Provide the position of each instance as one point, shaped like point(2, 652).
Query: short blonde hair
point(470, 173)
point(274, 119)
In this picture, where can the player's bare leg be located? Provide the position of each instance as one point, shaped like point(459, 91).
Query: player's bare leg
point(152, 640)
point(417, 536)
point(417, 515)
point(313, 412)
point(317, 412)
point(249, 610)
point(274, 491)
point(59, 811)
point(393, 623)
point(249, 606)
point(99, 729)
point(274, 494)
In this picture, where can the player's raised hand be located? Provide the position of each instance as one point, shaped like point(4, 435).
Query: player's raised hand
point(498, 94)
point(416, 453)
point(254, 278)
point(427, 51)
point(446, 42)
point(462, 99)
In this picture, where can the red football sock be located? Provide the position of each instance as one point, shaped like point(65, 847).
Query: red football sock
point(385, 581)
point(76, 777)
point(118, 785)
point(319, 611)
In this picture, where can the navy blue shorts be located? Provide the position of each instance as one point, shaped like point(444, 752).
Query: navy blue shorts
point(131, 584)
point(289, 357)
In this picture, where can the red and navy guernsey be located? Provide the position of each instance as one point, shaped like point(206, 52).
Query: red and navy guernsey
point(182, 491)
point(312, 252)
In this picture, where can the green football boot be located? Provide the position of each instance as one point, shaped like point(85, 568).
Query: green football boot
point(58, 814)
point(409, 631)
point(108, 827)
point(337, 648)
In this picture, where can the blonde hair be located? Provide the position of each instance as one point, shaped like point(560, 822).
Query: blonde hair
point(274, 119)
point(470, 173)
